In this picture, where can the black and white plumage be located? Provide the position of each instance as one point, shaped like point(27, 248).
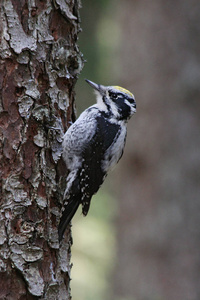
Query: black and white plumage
point(93, 145)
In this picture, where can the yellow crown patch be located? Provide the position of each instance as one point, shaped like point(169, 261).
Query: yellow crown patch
point(123, 90)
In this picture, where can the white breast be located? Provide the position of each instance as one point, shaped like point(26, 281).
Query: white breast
point(115, 151)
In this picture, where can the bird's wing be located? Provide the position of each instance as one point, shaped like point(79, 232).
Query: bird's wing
point(92, 172)
point(78, 136)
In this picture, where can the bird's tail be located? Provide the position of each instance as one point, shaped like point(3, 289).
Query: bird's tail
point(70, 210)
point(72, 198)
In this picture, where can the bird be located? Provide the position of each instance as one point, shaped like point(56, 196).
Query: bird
point(92, 146)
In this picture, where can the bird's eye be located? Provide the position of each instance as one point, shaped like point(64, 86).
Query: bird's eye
point(114, 96)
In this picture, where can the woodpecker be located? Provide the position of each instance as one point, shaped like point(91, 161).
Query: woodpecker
point(93, 145)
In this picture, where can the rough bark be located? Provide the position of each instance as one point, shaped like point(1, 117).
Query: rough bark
point(159, 224)
point(39, 64)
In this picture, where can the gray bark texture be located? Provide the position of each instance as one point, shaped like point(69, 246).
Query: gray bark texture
point(39, 65)
point(159, 219)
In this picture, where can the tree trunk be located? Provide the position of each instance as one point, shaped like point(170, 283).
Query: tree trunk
point(159, 224)
point(40, 61)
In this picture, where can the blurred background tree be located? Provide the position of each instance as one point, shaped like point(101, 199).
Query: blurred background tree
point(151, 48)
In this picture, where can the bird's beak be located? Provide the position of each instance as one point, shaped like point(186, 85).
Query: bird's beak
point(97, 87)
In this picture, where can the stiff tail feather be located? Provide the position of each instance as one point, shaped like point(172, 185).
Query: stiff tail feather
point(75, 195)
point(70, 210)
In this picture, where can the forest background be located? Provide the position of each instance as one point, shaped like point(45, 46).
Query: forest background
point(140, 240)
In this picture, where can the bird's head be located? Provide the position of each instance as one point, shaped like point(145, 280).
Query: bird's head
point(115, 99)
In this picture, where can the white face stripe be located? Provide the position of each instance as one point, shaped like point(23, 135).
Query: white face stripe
point(114, 108)
point(127, 102)
point(101, 104)
point(133, 109)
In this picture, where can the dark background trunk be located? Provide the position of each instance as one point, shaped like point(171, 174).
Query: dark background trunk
point(159, 204)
